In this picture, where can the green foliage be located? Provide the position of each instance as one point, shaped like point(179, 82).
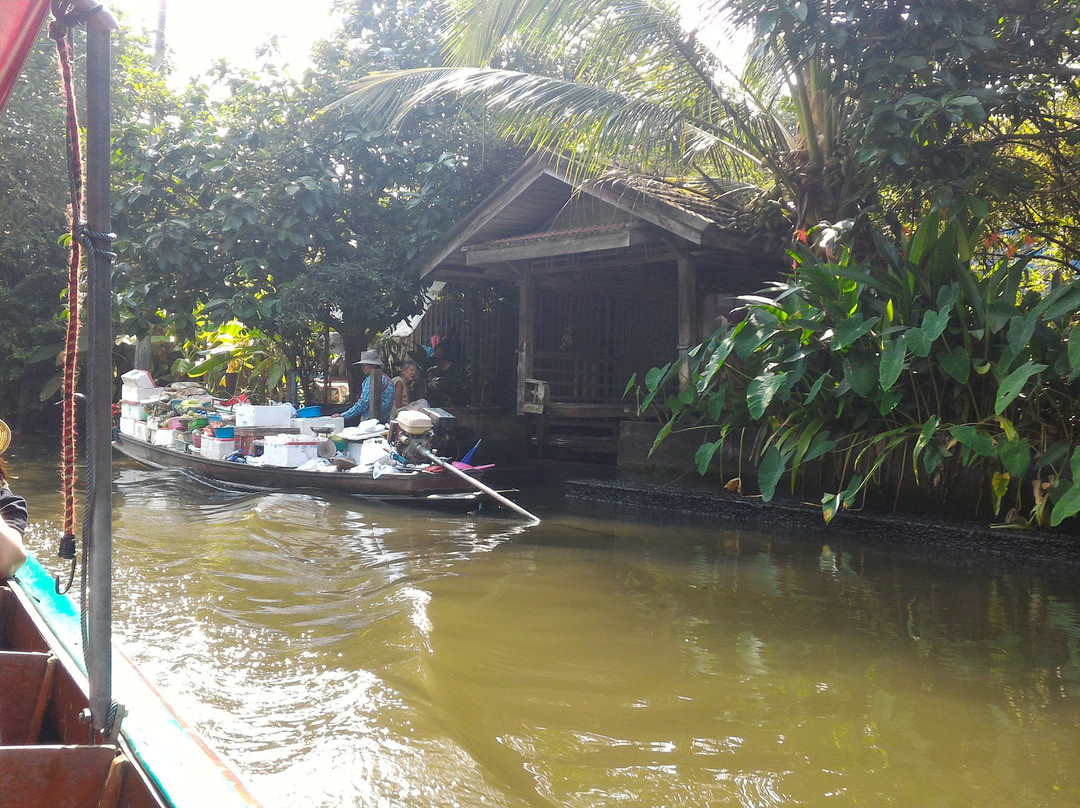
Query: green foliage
point(868, 362)
point(242, 199)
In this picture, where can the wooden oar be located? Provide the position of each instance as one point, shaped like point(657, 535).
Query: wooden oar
point(491, 492)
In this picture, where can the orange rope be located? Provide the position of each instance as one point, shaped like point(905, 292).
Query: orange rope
point(58, 31)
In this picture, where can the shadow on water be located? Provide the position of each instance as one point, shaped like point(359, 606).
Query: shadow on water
point(347, 652)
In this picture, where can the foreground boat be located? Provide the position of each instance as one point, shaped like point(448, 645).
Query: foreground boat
point(64, 740)
point(432, 484)
point(45, 757)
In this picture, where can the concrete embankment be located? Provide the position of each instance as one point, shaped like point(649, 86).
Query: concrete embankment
point(791, 517)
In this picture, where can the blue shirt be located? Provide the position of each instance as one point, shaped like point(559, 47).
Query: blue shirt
point(362, 407)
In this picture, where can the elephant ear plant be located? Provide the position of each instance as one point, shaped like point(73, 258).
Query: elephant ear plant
point(924, 354)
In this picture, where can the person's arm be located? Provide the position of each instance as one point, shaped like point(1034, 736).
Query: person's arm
point(12, 524)
point(12, 551)
point(360, 408)
point(399, 392)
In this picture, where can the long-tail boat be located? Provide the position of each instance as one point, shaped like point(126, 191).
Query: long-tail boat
point(64, 739)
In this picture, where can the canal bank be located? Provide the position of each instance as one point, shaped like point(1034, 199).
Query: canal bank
point(701, 501)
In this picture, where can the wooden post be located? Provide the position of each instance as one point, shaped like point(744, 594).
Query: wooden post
point(474, 349)
point(526, 338)
point(687, 298)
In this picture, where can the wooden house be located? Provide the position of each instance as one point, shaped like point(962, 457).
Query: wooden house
point(557, 292)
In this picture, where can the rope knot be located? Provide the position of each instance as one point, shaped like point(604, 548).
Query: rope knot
point(96, 241)
point(67, 546)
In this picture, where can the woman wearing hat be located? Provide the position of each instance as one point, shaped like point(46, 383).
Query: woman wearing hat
point(12, 517)
point(361, 410)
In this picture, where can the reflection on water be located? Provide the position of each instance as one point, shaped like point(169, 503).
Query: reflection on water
point(342, 652)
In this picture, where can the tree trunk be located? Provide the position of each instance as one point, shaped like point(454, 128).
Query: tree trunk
point(142, 354)
point(354, 345)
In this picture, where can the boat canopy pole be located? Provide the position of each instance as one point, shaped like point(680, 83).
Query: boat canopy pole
point(97, 239)
point(491, 492)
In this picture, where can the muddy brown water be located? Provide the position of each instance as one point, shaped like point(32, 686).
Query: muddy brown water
point(346, 653)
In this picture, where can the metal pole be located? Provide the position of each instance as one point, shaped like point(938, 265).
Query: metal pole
point(491, 492)
point(98, 520)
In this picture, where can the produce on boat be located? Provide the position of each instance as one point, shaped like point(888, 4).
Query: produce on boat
point(277, 446)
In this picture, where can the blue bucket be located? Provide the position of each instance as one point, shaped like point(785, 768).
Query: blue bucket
point(309, 412)
point(223, 432)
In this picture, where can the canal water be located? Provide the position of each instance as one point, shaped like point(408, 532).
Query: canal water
point(345, 653)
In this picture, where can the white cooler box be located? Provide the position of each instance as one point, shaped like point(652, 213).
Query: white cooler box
point(137, 386)
point(289, 450)
point(307, 426)
point(162, 437)
point(263, 415)
point(216, 448)
point(133, 410)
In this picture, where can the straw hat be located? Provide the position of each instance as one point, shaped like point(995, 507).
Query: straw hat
point(370, 358)
point(5, 437)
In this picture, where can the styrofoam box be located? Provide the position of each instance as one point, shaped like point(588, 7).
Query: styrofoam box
point(289, 450)
point(217, 448)
point(162, 437)
point(127, 426)
point(308, 425)
point(142, 431)
point(140, 394)
point(137, 378)
point(263, 415)
point(133, 410)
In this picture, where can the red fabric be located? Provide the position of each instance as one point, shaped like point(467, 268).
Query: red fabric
point(20, 22)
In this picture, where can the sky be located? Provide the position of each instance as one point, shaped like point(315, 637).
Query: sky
point(201, 31)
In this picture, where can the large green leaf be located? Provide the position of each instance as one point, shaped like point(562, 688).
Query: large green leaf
point(1015, 456)
point(861, 373)
point(848, 331)
point(956, 363)
point(934, 323)
point(1063, 300)
point(1074, 352)
point(1021, 329)
point(1069, 503)
point(770, 470)
point(979, 442)
point(926, 434)
point(760, 392)
point(892, 362)
point(704, 455)
point(917, 342)
point(1012, 384)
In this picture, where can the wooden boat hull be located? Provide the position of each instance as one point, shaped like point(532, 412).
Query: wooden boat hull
point(45, 757)
point(431, 486)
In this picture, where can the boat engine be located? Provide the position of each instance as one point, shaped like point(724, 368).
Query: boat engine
point(413, 436)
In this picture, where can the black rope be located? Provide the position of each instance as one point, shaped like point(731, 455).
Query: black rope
point(67, 552)
point(96, 242)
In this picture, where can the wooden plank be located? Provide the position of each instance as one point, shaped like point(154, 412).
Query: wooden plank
point(51, 776)
point(23, 690)
point(542, 248)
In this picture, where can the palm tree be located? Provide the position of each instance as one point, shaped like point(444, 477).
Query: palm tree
point(843, 107)
point(624, 83)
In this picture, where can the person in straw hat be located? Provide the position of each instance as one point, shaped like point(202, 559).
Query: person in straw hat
point(361, 410)
point(12, 516)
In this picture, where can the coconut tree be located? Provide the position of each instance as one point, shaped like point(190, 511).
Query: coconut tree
point(843, 107)
point(640, 85)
